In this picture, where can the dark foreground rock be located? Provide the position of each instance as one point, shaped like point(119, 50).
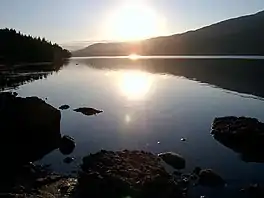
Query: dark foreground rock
point(30, 128)
point(253, 191)
point(88, 111)
point(33, 181)
point(134, 174)
point(207, 177)
point(173, 159)
point(241, 134)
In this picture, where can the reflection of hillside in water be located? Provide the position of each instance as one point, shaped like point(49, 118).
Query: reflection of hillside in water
point(243, 76)
point(17, 76)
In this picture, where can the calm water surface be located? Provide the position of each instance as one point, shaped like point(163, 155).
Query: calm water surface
point(151, 106)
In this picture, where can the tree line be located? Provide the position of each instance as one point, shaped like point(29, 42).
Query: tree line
point(16, 47)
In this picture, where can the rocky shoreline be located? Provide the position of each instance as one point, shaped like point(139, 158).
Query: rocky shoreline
point(119, 174)
point(30, 129)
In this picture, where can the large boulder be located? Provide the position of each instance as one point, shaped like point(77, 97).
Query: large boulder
point(173, 159)
point(207, 177)
point(125, 173)
point(241, 134)
point(30, 129)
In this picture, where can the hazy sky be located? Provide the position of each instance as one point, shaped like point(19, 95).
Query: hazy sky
point(66, 21)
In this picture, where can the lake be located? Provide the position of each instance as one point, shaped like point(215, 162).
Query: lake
point(151, 104)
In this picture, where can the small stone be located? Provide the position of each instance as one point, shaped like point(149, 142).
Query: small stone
point(67, 145)
point(15, 94)
point(64, 107)
point(183, 139)
point(68, 160)
point(242, 190)
point(158, 142)
point(88, 111)
point(196, 170)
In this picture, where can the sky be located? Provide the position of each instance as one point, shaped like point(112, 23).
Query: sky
point(84, 21)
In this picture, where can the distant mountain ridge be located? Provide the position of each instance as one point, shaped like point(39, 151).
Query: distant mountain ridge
point(237, 36)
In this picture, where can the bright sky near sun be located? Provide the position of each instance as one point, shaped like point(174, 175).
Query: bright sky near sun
point(66, 21)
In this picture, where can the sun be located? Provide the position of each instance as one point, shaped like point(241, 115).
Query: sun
point(135, 21)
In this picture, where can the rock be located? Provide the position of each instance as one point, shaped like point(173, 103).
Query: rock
point(254, 191)
point(64, 107)
point(15, 94)
point(196, 170)
point(30, 129)
point(241, 134)
point(173, 159)
point(67, 145)
point(68, 160)
point(183, 139)
point(88, 111)
point(126, 173)
point(208, 177)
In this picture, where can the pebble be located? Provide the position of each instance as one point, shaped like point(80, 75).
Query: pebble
point(183, 139)
point(68, 160)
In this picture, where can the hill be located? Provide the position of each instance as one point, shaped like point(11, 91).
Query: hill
point(238, 36)
point(18, 48)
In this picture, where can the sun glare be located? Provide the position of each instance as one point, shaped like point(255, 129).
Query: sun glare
point(135, 85)
point(135, 21)
point(133, 56)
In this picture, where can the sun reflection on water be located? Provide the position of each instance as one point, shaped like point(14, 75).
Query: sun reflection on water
point(133, 56)
point(135, 85)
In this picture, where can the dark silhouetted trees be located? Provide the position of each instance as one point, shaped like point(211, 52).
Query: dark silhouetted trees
point(19, 48)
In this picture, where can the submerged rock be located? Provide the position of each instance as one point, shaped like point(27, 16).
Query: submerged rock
point(67, 145)
point(241, 134)
point(30, 129)
point(64, 107)
point(207, 177)
point(134, 174)
point(68, 160)
point(88, 111)
point(254, 191)
point(173, 159)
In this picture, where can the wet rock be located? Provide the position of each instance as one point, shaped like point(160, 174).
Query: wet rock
point(173, 159)
point(126, 174)
point(196, 170)
point(183, 139)
point(208, 177)
point(68, 160)
point(88, 111)
point(253, 191)
point(15, 94)
point(241, 134)
point(67, 145)
point(30, 129)
point(64, 107)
